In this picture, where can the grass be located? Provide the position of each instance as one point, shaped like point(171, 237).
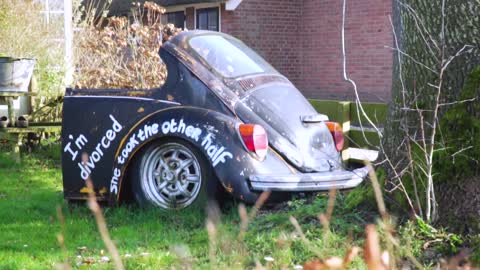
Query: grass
point(31, 192)
point(30, 195)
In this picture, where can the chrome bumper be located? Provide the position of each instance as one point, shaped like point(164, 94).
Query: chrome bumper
point(309, 181)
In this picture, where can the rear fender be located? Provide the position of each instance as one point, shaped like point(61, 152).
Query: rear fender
point(213, 133)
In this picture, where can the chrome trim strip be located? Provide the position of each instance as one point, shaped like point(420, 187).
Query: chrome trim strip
point(314, 118)
point(126, 97)
point(309, 181)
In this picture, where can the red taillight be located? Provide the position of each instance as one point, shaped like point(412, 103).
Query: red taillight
point(255, 138)
point(337, 134)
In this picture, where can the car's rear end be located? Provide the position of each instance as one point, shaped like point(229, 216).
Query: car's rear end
point(306, 140)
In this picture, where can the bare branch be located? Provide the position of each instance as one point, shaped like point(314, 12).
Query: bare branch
point(413, 59)
point(420, 25)
point(458, 102)
point(460, 151)
point(415, 110)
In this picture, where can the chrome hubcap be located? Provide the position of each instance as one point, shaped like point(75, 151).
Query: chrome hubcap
point(171, 176)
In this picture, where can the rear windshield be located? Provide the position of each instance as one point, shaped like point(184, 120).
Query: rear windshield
point(229, 57)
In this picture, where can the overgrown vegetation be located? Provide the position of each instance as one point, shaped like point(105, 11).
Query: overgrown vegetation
point(25, 34)
point(118, 52)
point(108, 53)
point(318, 232)
point(31, 192)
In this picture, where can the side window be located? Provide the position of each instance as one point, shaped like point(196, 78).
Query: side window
point(175, 18)
point(208, 19)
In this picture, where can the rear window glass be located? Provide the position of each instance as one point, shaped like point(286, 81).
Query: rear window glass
point(229, 57)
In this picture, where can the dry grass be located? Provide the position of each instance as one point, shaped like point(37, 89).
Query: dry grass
point(25, 34)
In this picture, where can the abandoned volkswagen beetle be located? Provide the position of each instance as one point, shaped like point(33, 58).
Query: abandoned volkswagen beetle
point(225, 120)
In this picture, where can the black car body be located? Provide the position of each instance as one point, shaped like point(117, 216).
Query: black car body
point(216, 89)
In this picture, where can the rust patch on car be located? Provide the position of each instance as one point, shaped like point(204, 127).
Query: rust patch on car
point(85, 190)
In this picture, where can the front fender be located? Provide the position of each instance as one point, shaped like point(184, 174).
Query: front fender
point(213, 133)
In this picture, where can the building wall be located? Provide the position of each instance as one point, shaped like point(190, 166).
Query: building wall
point(272, 28)
point(302, 40)
point(367, 33)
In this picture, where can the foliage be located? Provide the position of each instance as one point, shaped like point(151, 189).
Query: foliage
point(25, 34)
point(422, 239)
point(461, 135)
point(22, 30)
point(151, 239)
point(121, 55)
point(426, 231)
point(475, 243)
point(116, 53)
point(363, 196)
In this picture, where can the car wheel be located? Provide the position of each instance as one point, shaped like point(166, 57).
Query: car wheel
point(171, 175)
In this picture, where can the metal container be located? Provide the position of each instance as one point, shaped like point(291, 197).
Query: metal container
point(15, 74)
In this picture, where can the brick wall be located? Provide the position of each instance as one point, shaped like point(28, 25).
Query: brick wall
point(272, 28)
point(367, 33)
point(301, 38)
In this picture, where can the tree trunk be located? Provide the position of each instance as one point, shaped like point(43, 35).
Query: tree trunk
point(427, 34)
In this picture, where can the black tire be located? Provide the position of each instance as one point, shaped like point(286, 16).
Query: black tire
point(163, 179)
